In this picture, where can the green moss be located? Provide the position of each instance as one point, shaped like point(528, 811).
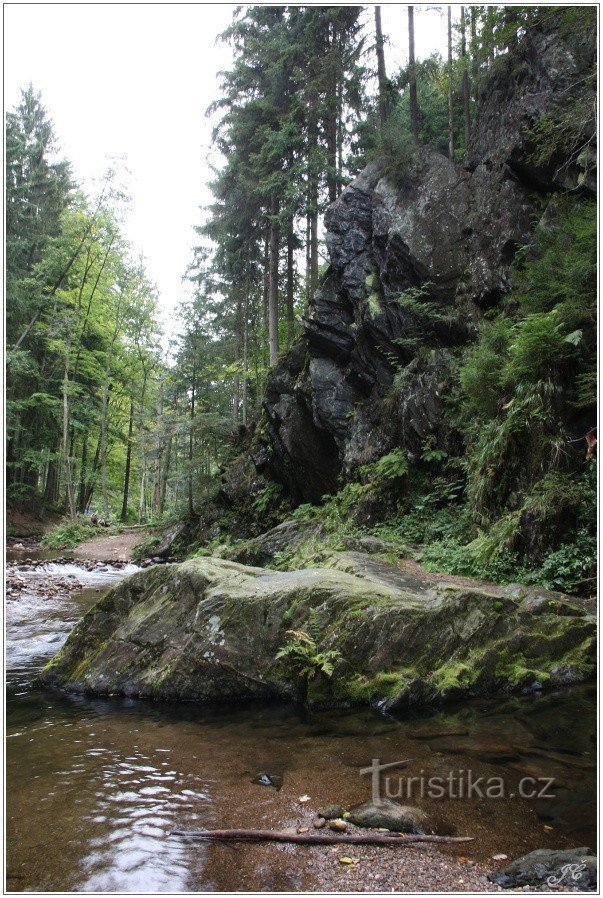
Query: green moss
point(364, 688)
point(372, 282)
point(453, 676)
point(374, 304)
point(517, 672)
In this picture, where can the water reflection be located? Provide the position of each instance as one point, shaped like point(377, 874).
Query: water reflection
point(95, 786)
point(136, 811)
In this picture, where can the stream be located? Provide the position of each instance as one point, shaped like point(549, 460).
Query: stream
point(95, 786)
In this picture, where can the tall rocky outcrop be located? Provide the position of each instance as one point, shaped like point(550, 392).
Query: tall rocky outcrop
point(413, 266)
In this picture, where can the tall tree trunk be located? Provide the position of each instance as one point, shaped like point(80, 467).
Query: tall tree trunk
point(51, 487)
point(124, 506)
point(83, 474)
point(273, 281)
point(191, 445)
point(245, 397)
point(105, 402)
point(473, 52)
point(142, 502)
point(330, 123)
point(465, 80)
point(308, 269)
point(91, 480)
point(381, 73)
point(313, 194)
point(290, 297)
point(67, 460)
point(236, 392)
point(412, 75)
point(330, 126)
point(265, 292)
point(159, 449)
point(104, 443)
point(165, 473)
point(340, 137)
point(450, 92)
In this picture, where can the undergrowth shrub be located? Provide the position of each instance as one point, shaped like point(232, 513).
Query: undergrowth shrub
point(70, 533)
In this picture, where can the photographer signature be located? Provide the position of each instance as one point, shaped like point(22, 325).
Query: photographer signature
point(568, 871)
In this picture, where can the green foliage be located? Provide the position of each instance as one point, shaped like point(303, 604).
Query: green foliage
point(571, 568)
point(70, 533)
point(529, 371)
point(430, 452)
point(304, 658)
point(266, 499)
point(80, 330)
point(145, 548)
point(395, 149)
point(454, 558)
point(482, 372)
point(391, 467)
point(306, 512)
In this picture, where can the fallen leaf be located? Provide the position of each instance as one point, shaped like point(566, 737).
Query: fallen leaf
point(303, 829)
point(303, 798)
point(549, 829)
point(344, 859)
point(499, 857)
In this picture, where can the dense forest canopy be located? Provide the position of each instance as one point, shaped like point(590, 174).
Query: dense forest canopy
point(101, 418)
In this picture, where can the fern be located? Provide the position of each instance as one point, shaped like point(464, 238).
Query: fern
point(304, 658)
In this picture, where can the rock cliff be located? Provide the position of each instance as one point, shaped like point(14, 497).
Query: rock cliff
point(412, 268)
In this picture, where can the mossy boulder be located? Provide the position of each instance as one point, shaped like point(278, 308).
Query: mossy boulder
point(209, 630)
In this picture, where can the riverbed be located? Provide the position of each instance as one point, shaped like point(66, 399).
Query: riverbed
point(96, 786)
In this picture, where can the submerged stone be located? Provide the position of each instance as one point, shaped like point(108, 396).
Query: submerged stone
point(390, 815)
point(330, 811)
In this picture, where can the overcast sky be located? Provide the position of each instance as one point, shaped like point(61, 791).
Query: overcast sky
point(135, 80)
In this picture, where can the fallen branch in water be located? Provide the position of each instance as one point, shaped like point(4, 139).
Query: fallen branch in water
point(316, 838)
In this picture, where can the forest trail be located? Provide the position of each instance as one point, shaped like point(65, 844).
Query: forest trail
point(110, 548)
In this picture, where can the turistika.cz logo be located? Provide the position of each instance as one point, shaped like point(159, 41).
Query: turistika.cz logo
point(457, 784)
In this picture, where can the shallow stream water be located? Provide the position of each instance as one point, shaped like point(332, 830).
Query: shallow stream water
point(95, 786)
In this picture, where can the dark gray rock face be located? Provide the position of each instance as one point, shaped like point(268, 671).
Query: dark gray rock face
point(402, 263)
point(241, 479)
point(549, 73)
point(573, 868)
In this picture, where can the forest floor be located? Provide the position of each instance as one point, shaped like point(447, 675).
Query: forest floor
point(27, 524)
point(110, 548)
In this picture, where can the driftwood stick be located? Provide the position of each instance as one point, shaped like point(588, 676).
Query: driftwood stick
point(310, 838)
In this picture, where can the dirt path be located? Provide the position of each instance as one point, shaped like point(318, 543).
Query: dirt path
point(110, 548)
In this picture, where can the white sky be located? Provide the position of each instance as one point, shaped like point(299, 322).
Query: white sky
point(135, 80)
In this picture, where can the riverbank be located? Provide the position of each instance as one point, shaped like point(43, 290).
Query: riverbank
point(110, 548)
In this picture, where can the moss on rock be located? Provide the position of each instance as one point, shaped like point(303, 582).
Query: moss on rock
point(209, 630)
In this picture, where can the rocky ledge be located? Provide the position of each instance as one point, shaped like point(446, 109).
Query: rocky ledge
point(210, 629)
